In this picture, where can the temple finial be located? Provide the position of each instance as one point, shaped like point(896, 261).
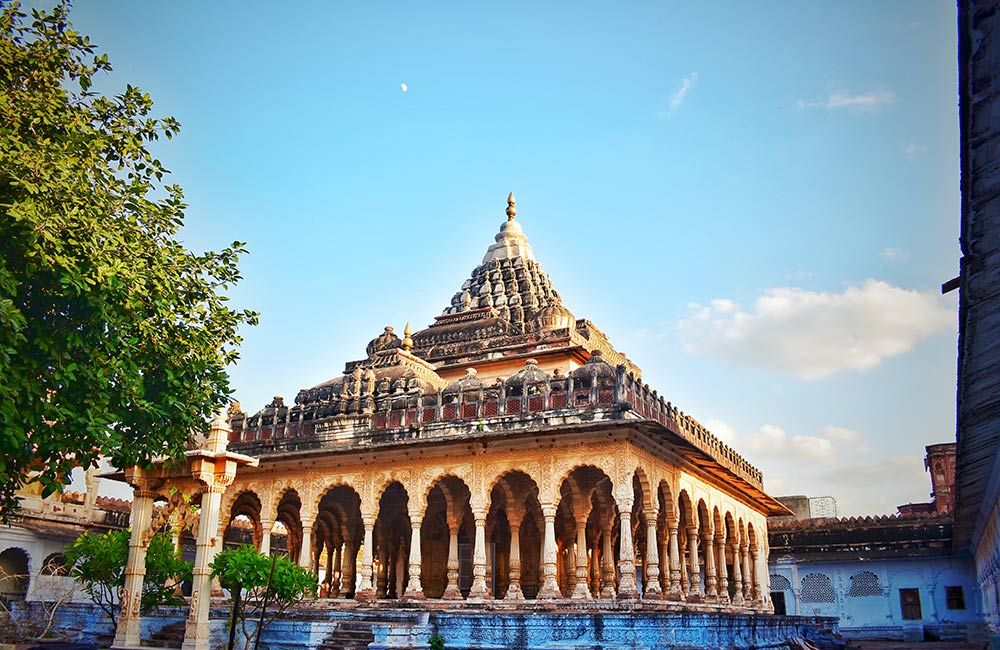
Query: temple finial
point(511, 210)
point(407, 341)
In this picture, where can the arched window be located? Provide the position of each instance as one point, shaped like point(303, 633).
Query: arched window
point(864, 583)
point(55, 565)
point(779, 583)
point(816, 588)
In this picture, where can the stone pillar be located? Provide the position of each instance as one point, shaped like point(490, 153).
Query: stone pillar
point(580, 589)
point(662, 543)
point(607, 564)
point(694, 570)
point(452, 592)
point(675, 593)
point(127, 633)
point(197, 630)
point(348, 564)
point(414, 590)
point(720, 545)
point(759, 579)
point(550, 555)
point(594, 567)
point(737, 576)
point(747, 576)
point(305, 553)
point(711, 590)
point(514, 563)
point(366, 590)
point(336, 571)
point(653, 590)
point(265, 536)
point(479, 590)
point(626, 563)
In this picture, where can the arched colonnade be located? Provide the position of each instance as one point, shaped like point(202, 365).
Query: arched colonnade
point(450, 533)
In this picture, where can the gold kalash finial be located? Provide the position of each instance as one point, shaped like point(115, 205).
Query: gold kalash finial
point(511, 210)
point(407, 341)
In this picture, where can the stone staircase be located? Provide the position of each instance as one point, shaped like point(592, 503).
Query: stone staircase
point(349, 635)
point(169, 636)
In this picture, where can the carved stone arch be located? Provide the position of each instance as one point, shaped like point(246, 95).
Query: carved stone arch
point(704, 518)
point(648, 501)
point(668, 506)
point(729, 522)
point(718, 527)
point(686, 511)
point(454, 499)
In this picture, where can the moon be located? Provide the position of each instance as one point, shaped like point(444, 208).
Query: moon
point(404, 87)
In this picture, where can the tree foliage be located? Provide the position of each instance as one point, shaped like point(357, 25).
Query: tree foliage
point(98, 564)
point(248, 571)
point(113, 336)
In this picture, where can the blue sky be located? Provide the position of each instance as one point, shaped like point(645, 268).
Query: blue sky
point(795, 163)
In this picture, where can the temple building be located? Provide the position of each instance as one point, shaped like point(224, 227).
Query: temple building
point(508, 452)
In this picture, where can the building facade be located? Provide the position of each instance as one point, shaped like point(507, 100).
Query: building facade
point(507, 451)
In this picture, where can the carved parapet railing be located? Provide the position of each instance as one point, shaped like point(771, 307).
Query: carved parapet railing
point(645, 402)
point(390, 418)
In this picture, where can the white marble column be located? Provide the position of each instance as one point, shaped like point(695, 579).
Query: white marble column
point(550, 555)
point(675, 592)
point(414, 590)
point(747, 577)
point(711, 590)
point(129, 623)
point(653, 589)
point(479, 590)
point(626, 563)
point(337, 571)
point(607, 564)
point(265, 536)
point(451, 591)
point(305, 553)
point(737, 576)
point(758, 579)
point(348, 570)
point(580, 589)
point(366, 590)
point(694, 568)
point(720, 546)
point(514, 563)
point(197, 629)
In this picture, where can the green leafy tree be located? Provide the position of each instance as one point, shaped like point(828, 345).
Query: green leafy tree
point(114, 338)
point(98, 564)
point(245, 570)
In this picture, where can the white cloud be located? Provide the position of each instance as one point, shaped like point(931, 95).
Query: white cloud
point(870, 101)
point(722, 431)
point(914, 148)
point(403, 87)
point(812, 335)
point(894, 254)
point(681, 93)
point(775, 443)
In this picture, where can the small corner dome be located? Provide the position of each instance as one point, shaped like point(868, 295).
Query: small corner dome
point(469, 381)
point(384, 341)
point(596, 366)
point(530, 374)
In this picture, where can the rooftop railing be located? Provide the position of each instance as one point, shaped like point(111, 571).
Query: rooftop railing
point(363, 420)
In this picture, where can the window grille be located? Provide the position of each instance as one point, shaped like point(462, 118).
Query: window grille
point(779, 583)
point(864, 584)
point(816, 588)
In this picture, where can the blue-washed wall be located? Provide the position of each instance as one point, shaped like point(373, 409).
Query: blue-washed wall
point(477, 630)
point(865, 595)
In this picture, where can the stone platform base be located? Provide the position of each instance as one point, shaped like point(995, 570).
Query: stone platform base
point(550, 625)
